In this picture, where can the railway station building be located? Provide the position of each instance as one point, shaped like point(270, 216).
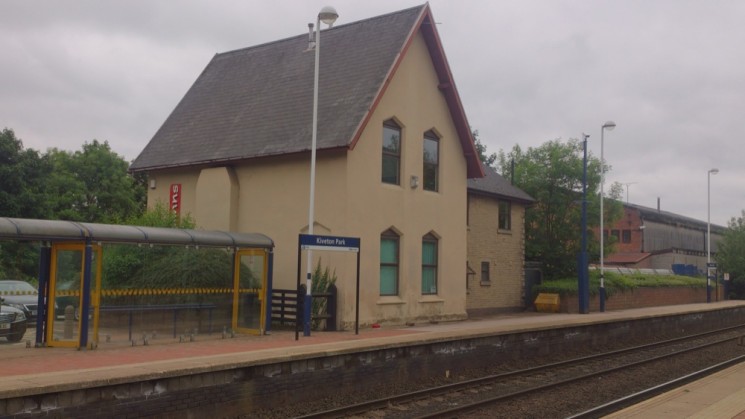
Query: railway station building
point(394, 156)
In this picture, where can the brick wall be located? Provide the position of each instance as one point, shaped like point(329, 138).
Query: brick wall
point(642, 297)
point(629, 221)
point(503, 250)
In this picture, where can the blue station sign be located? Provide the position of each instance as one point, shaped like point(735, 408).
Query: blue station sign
point(334, 243)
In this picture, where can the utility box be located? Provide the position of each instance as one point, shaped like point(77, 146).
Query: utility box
point(547, 303)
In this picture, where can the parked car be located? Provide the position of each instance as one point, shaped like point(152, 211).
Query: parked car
point(21, 295)
point(12, 323)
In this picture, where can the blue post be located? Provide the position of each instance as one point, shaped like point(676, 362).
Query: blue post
point(43, 306)
point(85, 305)
point(268, 291)
point(307, 308)
point(584, 280)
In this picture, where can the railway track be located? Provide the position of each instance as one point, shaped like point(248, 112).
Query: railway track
point(499, 394)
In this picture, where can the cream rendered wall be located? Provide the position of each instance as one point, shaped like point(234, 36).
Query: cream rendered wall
point(217, 199)
point(163, 180)
point(274, 201)
point(414, 100)
point(505, 252)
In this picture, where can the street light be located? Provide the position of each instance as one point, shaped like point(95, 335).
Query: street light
point(328, 16)
point(609, 126)
point(708, 232)
point(627, 189)
point(583, 285)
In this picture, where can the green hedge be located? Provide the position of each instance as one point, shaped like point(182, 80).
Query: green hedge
point(615, 283)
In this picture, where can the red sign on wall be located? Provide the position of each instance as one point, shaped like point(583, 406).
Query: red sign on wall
point(176, 198)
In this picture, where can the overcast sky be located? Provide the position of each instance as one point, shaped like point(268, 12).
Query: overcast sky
point(669, 73)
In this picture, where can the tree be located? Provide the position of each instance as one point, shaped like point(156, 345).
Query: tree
point(89, 185)
point(481, 149)
point(23, 175)
point(23, 194)
point(93, 185)
point(731, 253)
point(552, 174)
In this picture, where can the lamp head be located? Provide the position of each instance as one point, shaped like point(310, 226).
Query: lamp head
point(328, 15)
point(714, 171)
point(609, 125)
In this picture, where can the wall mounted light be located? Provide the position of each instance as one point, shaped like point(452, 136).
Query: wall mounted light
point(414, 182)
point(152, 183)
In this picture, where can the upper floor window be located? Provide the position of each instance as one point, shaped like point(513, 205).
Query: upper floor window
point(431, 157)
point(389, 263)
point(429, 264)
point(505, 215)
point(626, 236)
point(391, 153)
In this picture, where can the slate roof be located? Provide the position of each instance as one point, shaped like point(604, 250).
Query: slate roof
point(667, 217)
point(257, 101)
point(492, 184)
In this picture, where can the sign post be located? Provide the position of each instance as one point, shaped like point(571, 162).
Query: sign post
point(711, 270)
point(328, 243)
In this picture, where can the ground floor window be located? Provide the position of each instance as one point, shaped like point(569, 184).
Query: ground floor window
point(389, 263)
point(429, 264)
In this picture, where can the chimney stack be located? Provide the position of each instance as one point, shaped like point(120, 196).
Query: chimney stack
point(311, 39)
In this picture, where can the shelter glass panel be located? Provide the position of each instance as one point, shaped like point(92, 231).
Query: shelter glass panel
point(250, 284)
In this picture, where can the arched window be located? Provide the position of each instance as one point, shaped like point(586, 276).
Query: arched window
point(429, 264)
point(391, 172)
point(431, 158)
point(389, 261)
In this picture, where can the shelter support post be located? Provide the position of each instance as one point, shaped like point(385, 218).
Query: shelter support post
point(85, 305)
point(43, 302)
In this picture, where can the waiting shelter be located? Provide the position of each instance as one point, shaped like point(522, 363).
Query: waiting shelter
point(158, 280)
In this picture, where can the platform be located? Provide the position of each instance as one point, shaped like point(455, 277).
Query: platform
point(718, 396)
point(34, 371)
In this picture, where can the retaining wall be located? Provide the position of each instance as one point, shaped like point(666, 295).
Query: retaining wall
point(644, 297)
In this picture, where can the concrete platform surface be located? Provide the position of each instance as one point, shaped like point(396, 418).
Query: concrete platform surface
point(28, 371)
point(718, 396)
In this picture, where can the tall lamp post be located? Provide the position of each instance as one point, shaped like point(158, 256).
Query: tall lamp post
point(583, 287)
point(609, 126)
point(627, 189)
point(328, 16)
point(708, 232)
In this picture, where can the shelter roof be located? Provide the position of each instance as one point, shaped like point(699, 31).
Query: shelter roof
point(58, 230)
point(257, 101)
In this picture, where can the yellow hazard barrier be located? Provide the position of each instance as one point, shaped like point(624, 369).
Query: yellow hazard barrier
point(156, 291)
point(19, 293)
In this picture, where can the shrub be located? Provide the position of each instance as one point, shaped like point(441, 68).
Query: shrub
point(615, 283)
